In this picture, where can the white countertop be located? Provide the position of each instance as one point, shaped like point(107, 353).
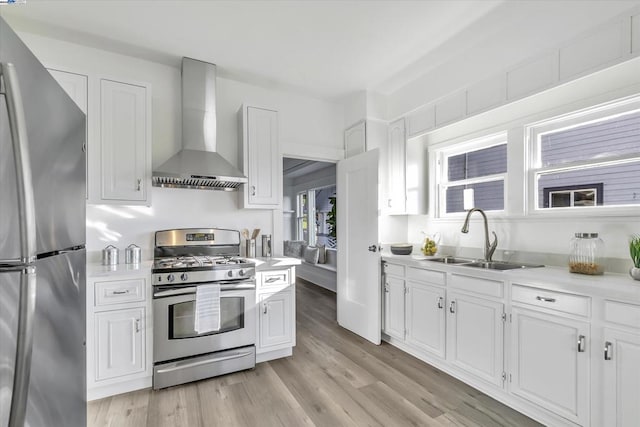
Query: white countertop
point(270, 263)
point(99, 270)
point(609, 285)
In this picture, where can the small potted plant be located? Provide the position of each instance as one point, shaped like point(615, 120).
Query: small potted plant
point(634, 251)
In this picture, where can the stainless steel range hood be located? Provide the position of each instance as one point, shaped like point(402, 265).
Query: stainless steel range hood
point(198, 165)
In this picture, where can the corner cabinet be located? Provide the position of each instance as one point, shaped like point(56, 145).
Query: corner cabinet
point(118, 342)
point(275, 302)
point(125, 143)
point(260, 157)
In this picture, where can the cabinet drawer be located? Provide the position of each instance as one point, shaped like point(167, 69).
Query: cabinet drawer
point(422, 275)
point(552, 300)
point(394, 269)
point(622, 313)
point(270, 279)
point(493, 288)
point(119, 291)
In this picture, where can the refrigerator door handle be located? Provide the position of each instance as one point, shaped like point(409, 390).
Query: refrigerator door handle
point(26, 202)
point(24, 345)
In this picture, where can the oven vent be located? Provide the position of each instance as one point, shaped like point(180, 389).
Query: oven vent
point(196, 182)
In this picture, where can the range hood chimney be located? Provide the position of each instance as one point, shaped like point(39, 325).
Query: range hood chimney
point(198, 165)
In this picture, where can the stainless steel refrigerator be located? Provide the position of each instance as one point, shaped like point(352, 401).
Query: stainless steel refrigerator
point(42, 238)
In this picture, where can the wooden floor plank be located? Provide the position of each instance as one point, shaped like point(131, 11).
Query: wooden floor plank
point(334, 378)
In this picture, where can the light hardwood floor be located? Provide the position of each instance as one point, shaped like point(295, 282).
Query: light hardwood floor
point(334, 378)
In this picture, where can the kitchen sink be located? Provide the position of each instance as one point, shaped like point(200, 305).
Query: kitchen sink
point(500, 265)
point(451, 260)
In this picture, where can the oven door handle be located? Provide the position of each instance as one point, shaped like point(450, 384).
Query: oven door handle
point(180, 366)
point(224, 286)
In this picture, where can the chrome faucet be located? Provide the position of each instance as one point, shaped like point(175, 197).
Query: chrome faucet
point(489, 248)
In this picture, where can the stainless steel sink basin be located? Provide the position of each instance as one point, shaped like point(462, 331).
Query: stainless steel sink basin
point(500, 265)
point(451, 260)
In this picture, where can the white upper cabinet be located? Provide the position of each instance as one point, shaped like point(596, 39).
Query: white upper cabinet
point(260, 158)
point(77, 87)
point(355, 139)
point(395, 202)
point(125, 142)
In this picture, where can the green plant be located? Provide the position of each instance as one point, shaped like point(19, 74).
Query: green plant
point(331, 217)
point(634, 249)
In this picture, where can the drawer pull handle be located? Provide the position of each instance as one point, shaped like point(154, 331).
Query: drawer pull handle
point(440, 301)
point(137, 325)
point(608, 351)
point(274, 279)
point(126, 291)
point(581, 343)
point(452, 307)
point(265, 308)
point(545, 299)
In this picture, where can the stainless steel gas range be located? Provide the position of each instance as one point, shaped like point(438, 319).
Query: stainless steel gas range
point(184, 260)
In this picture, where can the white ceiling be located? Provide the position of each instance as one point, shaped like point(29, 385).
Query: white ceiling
point(325, 48)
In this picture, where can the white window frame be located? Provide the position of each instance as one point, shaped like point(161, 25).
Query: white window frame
point(442, 170)
point(533, 136)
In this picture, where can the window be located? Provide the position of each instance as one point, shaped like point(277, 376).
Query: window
point(589, 159)
point(316, 216)
point(479, 165)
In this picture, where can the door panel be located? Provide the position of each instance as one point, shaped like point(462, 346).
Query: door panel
point(275, 320)
point(426, 318)
point(358, 289)
point(394, 304)
point(622, 379)
point(120, 343)
point(263, 156)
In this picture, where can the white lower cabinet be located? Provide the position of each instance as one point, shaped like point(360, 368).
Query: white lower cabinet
point(621, 376)
point(275, 302)
point(276, 320)
point(425, 317)
point(550, 362)
point(394, 308)
point(120, 343)
point(119, 333)
point(475, 336)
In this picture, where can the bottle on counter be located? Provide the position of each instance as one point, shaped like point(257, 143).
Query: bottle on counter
point(586, 255)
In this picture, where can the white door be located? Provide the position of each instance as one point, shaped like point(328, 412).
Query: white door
point(425, 317)
point(476, 336)
point(621, 378)
point(550, 363)
point(358, 288)
point(120, 343)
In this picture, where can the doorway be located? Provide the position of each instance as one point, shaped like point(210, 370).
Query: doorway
point(309, 212)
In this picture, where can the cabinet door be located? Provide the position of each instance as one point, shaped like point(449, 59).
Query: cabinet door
point(475, 337)
point(120, 343)
point(621, 379)
point(355, 140)
point(124, 141)
point(426, 317)
point(394, 315)
point(76, 86)
point(396, 166)
point(275, 321)
point(262, 157)
point(550, 363)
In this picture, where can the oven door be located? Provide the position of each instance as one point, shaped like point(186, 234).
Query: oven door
point(174, 316)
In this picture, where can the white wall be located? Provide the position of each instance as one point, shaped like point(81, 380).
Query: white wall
point(306, 125)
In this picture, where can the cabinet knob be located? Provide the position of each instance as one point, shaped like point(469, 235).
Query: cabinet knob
point(440, 302)
point(452, 307)
point(608, 351)
point(253, 190)
point(137, 325)
point(265, 308)
point(139, 184)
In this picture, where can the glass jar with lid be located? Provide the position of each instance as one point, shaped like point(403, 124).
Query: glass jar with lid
point(586, 256)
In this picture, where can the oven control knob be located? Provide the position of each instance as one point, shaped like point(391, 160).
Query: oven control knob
point(184, 277)
point(170, 278)
point(230, 273)
point(241, 273)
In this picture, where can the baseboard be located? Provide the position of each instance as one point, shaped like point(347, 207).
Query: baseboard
point(275, 354)
point(101, 392)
